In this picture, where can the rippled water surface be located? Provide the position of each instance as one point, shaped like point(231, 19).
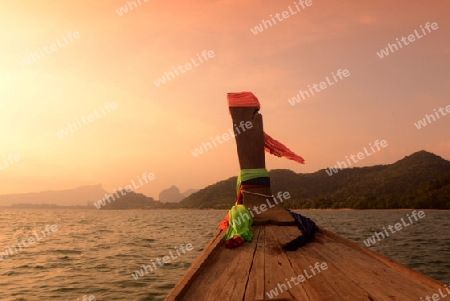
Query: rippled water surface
point(95, 252)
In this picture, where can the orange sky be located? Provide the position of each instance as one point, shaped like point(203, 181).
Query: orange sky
point(154, 129)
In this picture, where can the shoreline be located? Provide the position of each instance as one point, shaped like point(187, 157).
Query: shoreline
point(201, 209)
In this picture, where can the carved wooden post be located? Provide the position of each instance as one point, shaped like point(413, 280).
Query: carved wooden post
point(250, 149)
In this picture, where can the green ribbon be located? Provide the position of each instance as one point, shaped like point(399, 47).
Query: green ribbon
point(240, 223)
point(249, 174)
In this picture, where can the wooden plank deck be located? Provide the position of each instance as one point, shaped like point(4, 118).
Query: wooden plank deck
point(252, 270)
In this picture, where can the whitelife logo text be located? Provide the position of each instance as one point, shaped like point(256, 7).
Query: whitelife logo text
point(146, 177)
point(430, 118)
point(341, 74)
point(371, 240)
point(199, 151)
point(85, 120)
point(10, 161)
point(265, 24)
point(161, 261)
point(411, 38)
point(332, 170)
point(32, 239)
point(34, 56)
point(169, 75)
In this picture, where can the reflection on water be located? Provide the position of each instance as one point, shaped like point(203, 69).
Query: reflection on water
point(94, 253)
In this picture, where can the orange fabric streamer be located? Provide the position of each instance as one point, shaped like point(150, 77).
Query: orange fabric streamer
point(272, 146)
point(278, 149)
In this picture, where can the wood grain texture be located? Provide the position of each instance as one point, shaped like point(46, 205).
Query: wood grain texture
point(252, 270)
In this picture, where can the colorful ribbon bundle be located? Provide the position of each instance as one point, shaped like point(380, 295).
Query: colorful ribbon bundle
point(238, 222)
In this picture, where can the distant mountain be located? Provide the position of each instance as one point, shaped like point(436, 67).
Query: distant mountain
point(128, 200)
point(173, 194)
point(421, 180)
point(70, 197)
point(189, 192)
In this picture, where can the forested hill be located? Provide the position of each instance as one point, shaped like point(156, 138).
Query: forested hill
point(126, 200)
point(421, 180)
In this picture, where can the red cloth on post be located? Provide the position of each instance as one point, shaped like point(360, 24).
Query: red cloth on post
point(272, 146)
point(242, 99)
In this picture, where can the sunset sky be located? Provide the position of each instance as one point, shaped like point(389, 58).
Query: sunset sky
point(153, 129)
